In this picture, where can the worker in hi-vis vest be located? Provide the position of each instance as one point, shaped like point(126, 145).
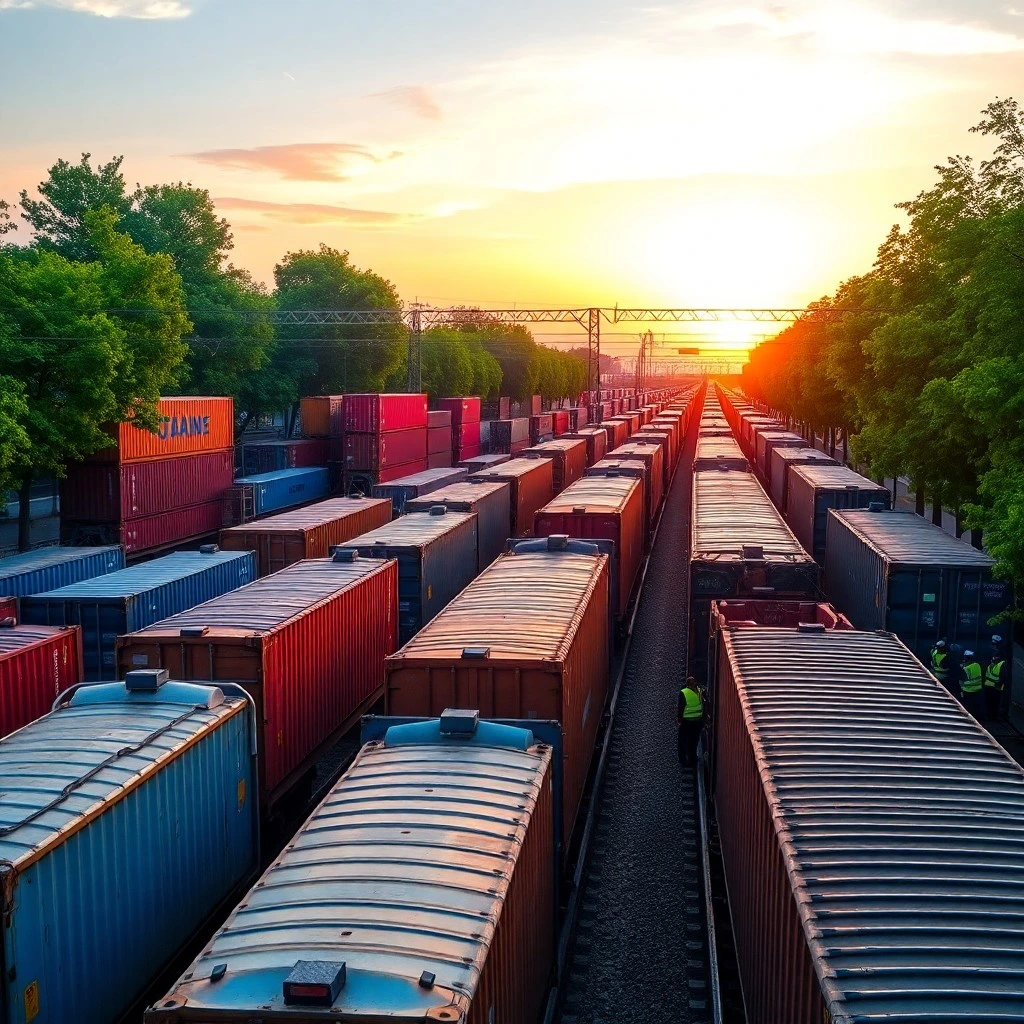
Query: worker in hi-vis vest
point(971, 679)
point(690, 719)
point(995, 679)
point(941, 662)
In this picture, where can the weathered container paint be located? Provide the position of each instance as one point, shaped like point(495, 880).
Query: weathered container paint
point(765, 441)
point(187, 426)
point(378, 414)
point(463, 410)
point(311, 532)
point(650, 454)
point(129, 819)
point(532, 482)
point(617, 431)
point(48, 568)
point(270, 456)
point(597, 442)
point(603, 508)
point(321, 416)
point(569, 458)
point(469, 874)
point(870, 834)
point(490, 500)
point(578, 417)
point(8, 608)
point(541, 428)
point(814, 489)
point(437, 556)
point(560, 422)
point(399, 492)
point(308, 644)
point(121, 602)
point(36, 664)
point(506, 433)
point(782, 459)
point(529, 638)
point(149, 535)
point(372, 453)
point(719, 453)
point(102, 492)
point(287, 487)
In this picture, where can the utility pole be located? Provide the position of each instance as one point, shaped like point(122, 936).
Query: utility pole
point(594, 363)
point(415, 378)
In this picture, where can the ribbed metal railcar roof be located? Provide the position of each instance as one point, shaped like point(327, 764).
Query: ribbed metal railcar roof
point(525, 606)
point(280, 474)
point(803, 455)
point(906, 539)
point(557, 444)
point(835, 477)
point(730, 510)
point(28, 561)
point(16, 639)
point(594, 494)
point(402, 870)
point(426, 476)
point(64, 767)
point(901, 821)
point(270, 602)
point(464, 491)
point(414, 530)
point(312, 515)
point(718, 448)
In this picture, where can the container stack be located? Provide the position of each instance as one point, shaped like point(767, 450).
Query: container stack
point(385, 437)
point(510, 436)
point(152, 491)
point(296, 453)
point(466, 431)
point(439, 439)
point(321, 418)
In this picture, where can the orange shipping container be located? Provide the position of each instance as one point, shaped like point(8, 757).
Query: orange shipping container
point(188, 426)
point(321, 416)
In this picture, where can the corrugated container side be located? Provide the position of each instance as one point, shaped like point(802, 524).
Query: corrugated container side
point(187, 426)
point(610, 466)
point(533, 487)
point(506, 433)
point(8, 608)
point(541, 428)
point(766, 442)
point(782, 459)
point(618, 433)
point(440, 460)
point(36, 664)
point(321, 416)
point(286, 487)
point(463, 410)
point(650, 455)
point(401, 491)
point(439, 418)
point(373, 452)
point(597, 442)
point(664, 438)
point(560, 421)
point(270, 456)
point(569, 458)
point(490, 500)
point(466, 434)
point(150, 534)
point(49, 568)
point(378, 414)
point(439, 439)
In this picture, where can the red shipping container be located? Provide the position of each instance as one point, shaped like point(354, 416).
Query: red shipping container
point(36, 664)
point(540, 428)
point(110, 492)
point(597, 442)
point(187, 426)
point(465, 434)
point(439, 439)
point(519, 446)
point(320, 416)
point(405, 469)
point(150, 533)
point(308, 643)
point(469, 451)
point(378, 414)
point(463, 410)
point(369, 453)
point(535, 405)
point(652, 455)
point(533, 487)
point(438, 460)
point(8, 608)
point(439, 418)
point(618, 433)
point(569, 455)
point(560, 421)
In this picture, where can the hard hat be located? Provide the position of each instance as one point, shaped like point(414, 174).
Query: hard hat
point(968, 654)
point(940, 643)
point(996, 639)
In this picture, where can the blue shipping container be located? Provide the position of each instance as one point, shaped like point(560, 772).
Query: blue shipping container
point(416, 485)
point(107, 607)
point(437, 559)
point(128, 819)
point(272, 492)
point(48, 568)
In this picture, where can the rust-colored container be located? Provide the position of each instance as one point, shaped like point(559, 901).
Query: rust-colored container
point(36, 664)
point(110, 492)
point(465, 435)
point(439, 418)
point(673, 422)
point(630, 468)
point(603, 508)
point(188, 426)
point(560, 422)
point(597, 442)
point(569, 455)
point(149, 534)
point(618, 432)
point(541, 428)
point(533, 486)
point(321, 416)
point(372, 453)
point(719, 453)
point(529, 638)
point(310, 532)
point(664, 438)
point(308, 643)
point(379, 414)
point(651, 455)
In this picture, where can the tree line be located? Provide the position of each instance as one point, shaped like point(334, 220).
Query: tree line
point(920, 360)
point(119, 295)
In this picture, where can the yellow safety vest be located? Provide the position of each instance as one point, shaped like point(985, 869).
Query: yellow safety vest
point(972, 684)
point(993, 675)
point(939, 667)
point(694, 705)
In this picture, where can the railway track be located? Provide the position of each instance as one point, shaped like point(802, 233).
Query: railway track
point(639, 949)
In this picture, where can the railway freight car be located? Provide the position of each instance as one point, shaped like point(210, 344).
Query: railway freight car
point(307, 643)
point(782, 461)
point(650, 454)
point(532, 483)
point(740, 547)
point(129, 818)
point(870, 836)
point(529, 638)
point(264, 493)
point(719, 453)
point(32, 572)
point(765, 442)
point(443, 912)
point(491, 502)
point(568, 456)
point(404, 489)
point(596, 439)
point(633, 468)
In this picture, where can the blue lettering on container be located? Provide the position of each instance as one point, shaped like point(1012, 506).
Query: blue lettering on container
point(185, 426)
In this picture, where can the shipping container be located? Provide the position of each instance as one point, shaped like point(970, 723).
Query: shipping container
point(479, 462)
point(105, 492)
point(463, 410)
point(121, 602)
point(577, 417)
point(568, 456)
point(462, 456)
point(617, 431)
point(32, 572)
point(492, 503)
point(529, 638)
point(749, 424)
point(719, 453)
point(814, 489)
point(128, 821)
point(870, 836)
point(270, 456)
point(560, 422)
point(653, 435)
point(399, 492)
point(740, 547)
point(898, 572)
point(541, 428)
point(311, 532)
point(466, 930)
point(186, 426)
point(8, 608)
point(270, 492)
point(630, 468)
point(36, 664)
point(536, 405)
point(765, 442)
point(321, 416)
point(437, 418)
point(149, 535)
point(439, 439)
point(603, 508)
point(437, 556)
point(467, 434)
point(650, 454)
point(597, 442)
point(782, 459)
point(307, 643)
point(440, 460)
point(371, 453)
point(379, 414)
point(496, 409)
point(533, 486)
point(505, 433)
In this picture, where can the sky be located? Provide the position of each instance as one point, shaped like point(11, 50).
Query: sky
point(556, 153)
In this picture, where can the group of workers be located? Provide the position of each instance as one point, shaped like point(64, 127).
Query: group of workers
point(980, 687)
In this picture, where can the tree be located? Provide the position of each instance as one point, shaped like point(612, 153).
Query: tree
point(81, 365)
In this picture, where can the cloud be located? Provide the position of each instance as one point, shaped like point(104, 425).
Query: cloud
point(316, 213)
point(152, 10)
point(301, 161)
point(416, 98)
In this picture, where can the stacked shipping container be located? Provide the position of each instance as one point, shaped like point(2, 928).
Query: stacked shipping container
point(385, 438)
point(465, 439)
